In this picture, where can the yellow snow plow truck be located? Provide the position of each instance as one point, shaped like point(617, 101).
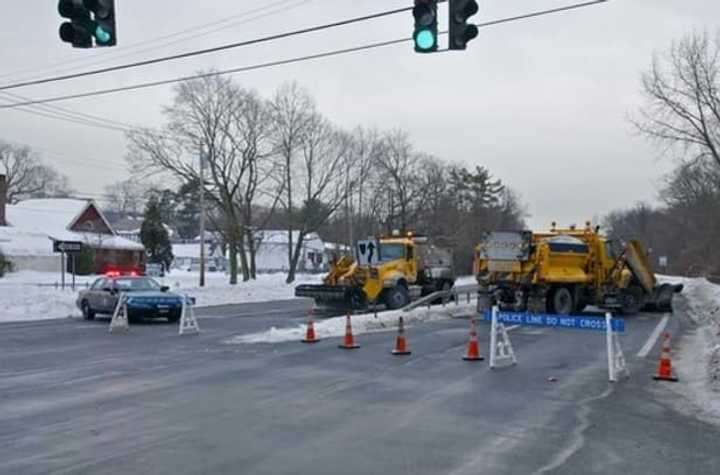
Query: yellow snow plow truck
point(564, 270)
point(391, 271)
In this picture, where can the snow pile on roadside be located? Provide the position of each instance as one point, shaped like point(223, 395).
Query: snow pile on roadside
point(361, 323)
point(30, 302)
point(698, 362)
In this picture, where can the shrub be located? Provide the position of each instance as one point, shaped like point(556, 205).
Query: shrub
point(5, 265)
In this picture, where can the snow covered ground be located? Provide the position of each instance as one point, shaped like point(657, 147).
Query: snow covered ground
point(29, 295)
point(698, 357)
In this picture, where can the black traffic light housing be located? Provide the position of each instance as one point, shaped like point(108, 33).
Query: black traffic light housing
point(78, 30)
point(92, 22)
point(426, 26)
point(460, 32)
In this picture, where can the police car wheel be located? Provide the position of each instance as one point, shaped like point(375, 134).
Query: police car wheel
point(88, 314)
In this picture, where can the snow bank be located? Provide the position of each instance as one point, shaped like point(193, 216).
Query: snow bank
point(31, 302)
point(361, 323)
point(32, 295)
point(698, 358)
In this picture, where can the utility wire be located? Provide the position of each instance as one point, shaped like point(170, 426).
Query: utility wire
point(285, 61)
point(214, 49)
point(62, 113)
point(127, 51)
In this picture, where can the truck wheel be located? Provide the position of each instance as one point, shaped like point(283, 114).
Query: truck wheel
point(561, 301)
point(632, 300)
point(356, 299)
point(88, 314)
point(397, 297)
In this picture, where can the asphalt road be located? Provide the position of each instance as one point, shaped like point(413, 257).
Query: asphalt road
point(75, 399)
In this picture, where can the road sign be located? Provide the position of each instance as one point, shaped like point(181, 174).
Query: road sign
point(662, 261)
point(541, 320)
point(368, 252)
point(67, 246)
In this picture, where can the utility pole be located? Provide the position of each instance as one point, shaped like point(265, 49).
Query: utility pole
point(202, 217)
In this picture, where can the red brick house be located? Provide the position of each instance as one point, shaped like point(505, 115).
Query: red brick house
point(32, 226)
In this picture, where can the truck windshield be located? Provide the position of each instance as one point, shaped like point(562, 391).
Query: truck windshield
point(390, 252)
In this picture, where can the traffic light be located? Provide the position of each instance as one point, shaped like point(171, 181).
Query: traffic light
point(460, 32)
point(104, 15)
point(89, 20)
point(426, 26)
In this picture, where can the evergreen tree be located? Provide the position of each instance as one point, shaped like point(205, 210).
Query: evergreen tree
point(187, 213)
point(154, 236)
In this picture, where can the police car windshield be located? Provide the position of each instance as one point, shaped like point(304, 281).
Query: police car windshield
point(142, 283)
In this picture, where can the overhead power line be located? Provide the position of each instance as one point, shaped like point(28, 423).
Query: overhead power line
point(298, 59)
point(197, 32)
point(214, 49)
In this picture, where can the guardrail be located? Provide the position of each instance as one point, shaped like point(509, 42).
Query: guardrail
point(445, 295)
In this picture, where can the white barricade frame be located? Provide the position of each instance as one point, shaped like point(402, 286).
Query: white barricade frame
point(119, 320)
point(501, 348)
point(188, 321)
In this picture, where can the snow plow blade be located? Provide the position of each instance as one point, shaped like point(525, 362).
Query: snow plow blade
point(323, 294)
point(661, 298)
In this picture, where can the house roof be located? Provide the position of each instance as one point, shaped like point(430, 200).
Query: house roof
point(311, 240)
point(18, 242)
point(53, 219)
point(192, 250)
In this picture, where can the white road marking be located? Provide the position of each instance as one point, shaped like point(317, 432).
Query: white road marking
point(653, 337)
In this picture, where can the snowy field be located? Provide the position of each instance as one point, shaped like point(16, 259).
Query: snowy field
point(31, 295)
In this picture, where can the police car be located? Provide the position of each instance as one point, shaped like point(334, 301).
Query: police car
point(146, 298)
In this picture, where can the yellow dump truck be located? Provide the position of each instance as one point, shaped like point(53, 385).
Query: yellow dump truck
point(391, 271)
point(564, 270)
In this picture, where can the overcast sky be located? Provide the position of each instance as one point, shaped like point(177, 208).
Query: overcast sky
point(543, 103)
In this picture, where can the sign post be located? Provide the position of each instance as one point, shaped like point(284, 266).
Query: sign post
point(65, 247)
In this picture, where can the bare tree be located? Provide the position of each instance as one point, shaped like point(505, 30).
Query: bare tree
point(206, 118)
point(399, 166)
point(682, 90)
point(27, 176)
point(292, 108)
point(126, 197)
point(320, 180)
point(251, 134)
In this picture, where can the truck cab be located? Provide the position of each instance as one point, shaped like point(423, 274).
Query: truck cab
point(391, 271)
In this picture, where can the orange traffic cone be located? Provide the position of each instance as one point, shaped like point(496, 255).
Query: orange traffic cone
point(310, 332)
point(473, 349)
point(400, 346)
point(664, 372)
point(349, 342)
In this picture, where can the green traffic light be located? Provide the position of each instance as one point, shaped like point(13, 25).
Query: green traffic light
point(101, 35)
point(425, 39)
